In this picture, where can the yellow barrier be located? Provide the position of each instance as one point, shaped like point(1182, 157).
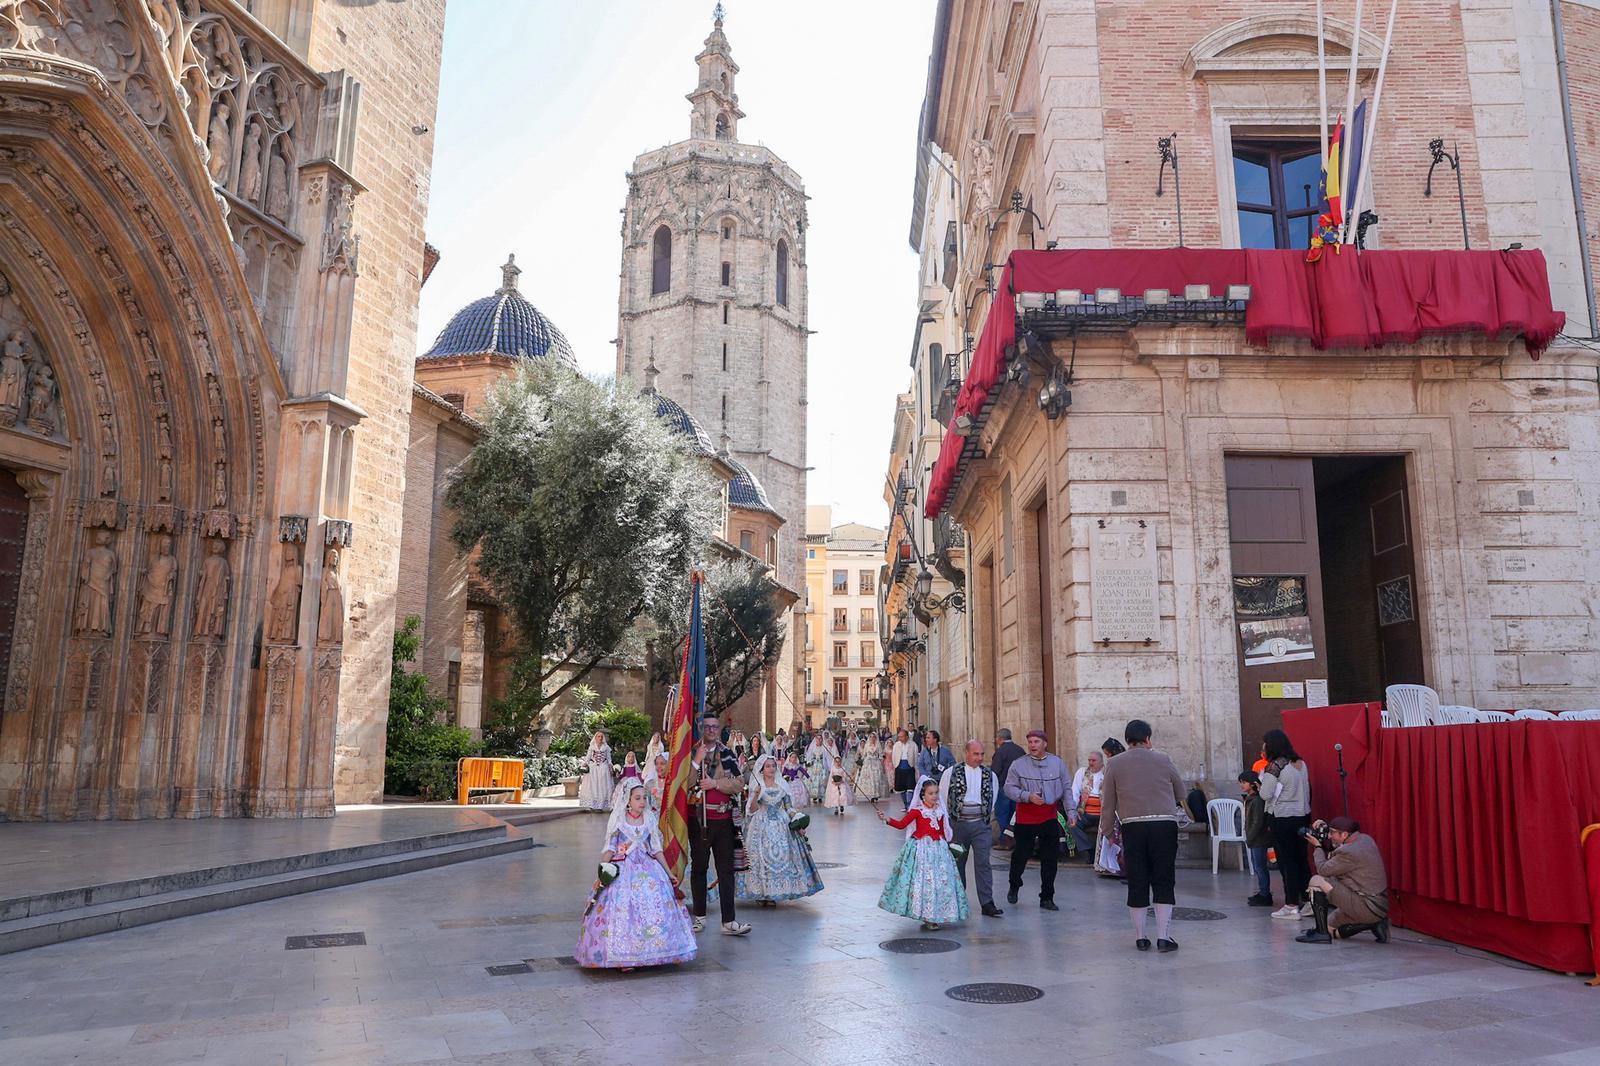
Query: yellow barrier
point(488, 775)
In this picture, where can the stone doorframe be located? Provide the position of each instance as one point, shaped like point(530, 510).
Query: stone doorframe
point(37, 465)
point(1202, 561)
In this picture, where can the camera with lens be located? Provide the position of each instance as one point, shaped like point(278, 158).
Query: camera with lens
point(1319, 835)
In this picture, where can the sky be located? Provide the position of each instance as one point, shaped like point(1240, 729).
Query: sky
point(544, 105)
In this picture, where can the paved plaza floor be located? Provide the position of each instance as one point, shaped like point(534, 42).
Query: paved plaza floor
point(810, 985)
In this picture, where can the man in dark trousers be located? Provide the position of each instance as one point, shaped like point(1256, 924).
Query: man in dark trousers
point(1006, 752)
point(1142, 791)
point(711, 832)
point(1036, 782)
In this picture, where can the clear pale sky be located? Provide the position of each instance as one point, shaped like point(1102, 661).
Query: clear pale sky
point(544, 105)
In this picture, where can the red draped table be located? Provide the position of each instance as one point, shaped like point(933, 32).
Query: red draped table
point(1479, 824)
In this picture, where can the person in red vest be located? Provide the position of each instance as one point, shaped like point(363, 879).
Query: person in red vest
point(711, 831)
point(1037, 783)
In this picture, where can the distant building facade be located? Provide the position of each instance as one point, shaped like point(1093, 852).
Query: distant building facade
point(845, 657)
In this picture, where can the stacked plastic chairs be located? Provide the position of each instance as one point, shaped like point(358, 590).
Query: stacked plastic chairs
point(1414, 705)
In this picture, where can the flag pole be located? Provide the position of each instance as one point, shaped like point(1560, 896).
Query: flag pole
point(1372, 123)
point(1322, 85)
point(1349, 113)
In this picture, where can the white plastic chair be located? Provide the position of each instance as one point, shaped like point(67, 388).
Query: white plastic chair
point(1225, 818)
point(1410, 705)
point(1494, 716)
point(1455, 714)
point(1529, 714)
point(1580, 716)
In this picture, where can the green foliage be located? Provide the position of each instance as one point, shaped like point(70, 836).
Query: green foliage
point(586, 511)
point(512, 720)
point(626, 728)
point(744, 623)
point(543, 771)
point(419, 744)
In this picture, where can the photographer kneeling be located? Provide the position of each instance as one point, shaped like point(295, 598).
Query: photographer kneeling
point(1350, 892)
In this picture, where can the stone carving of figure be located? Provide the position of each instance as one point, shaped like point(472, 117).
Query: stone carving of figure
point(217, 142)
point(213, 391)
point(981, 199)
point(163, 436)
point(155, 595)
point(97, 580)
point(219, 486)
point(330, 603)
point(250, 166)
point(164, 478)
point(158, 391)
point(42, 399)
point(108, 475)
point(278, 187)
point(13, 376)
point(283, 621)
point(211, 598)
point(219, 439)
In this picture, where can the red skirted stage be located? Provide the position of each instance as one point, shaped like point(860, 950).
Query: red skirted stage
point(1479, 824)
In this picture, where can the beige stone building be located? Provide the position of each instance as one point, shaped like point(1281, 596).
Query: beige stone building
point(844, 647)
point(211, 240)
point(1164, 519)
point(713, 294)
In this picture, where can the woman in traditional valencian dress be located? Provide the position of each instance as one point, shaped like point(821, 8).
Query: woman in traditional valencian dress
point(818, 763)
point(840, 792)
point(594, 792)
point(630, 768)
point(636, 920)
point(871, 782)
point(780, 861)
point(655, 780)
point(797, 781)
point(925, 883)
point(654, 748)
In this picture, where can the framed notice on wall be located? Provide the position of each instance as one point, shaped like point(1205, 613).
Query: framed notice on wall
point(1124, 582)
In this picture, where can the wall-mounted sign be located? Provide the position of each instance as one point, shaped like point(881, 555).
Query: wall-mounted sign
point(1124, 582)
point(1316, 692)
point(1282, 690)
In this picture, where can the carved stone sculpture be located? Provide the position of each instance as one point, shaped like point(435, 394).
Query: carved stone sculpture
point(42, 399)
point(155, 594)
point(219, 485)
point(981, 199)
point(13, 376)
point(330, 603)
point(217, 143)
point(164, 478)
point(250, 167)
point(211, 598)
point(283, 621)
point(97, 581)
point(278, 187)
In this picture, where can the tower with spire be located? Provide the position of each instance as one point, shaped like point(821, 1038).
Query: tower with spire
point(713, 298)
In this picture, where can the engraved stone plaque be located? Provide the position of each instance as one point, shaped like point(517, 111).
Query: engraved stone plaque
point(1124, 591)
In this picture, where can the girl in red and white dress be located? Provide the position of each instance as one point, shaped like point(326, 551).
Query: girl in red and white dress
point(925, 883)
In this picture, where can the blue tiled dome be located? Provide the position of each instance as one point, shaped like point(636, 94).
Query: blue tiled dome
point(744, 490)
point(681, 422)
point(503, 324)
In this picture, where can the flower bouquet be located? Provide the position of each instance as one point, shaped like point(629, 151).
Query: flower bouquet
point(607, 873)
point(959, 853)
point(799, 820)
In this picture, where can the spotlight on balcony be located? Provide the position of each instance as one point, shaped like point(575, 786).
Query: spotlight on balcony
point(1197, 292)
point(1030, 301)
point(1107, 296)
point(1069, 297)
point(962, 426)
point(1157, 297)
point(1239, 294)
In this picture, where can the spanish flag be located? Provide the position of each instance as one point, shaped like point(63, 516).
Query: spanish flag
point(681, 740)
point(1327, 231)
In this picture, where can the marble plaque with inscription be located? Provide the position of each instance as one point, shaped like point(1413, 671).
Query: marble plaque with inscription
point(1124, 583)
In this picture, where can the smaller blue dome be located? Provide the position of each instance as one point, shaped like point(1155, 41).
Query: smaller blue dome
point(745, 491)
point(503, 324)
point(681, 422)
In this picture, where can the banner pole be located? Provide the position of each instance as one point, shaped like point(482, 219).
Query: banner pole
point(1349, 116)
point(1372, 123)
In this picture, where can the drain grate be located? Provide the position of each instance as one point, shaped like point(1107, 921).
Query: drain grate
point(508, 970)
point(991, 992)
point(1196, 914)
point(325, 940)
point(829, 865)
point(919, 945)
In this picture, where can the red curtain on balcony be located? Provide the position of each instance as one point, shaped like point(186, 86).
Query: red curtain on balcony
point(1342, 301)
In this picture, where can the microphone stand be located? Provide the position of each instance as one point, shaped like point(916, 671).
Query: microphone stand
point(1344, 786)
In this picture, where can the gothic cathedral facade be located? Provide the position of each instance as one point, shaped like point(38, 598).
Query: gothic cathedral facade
point(713, 296)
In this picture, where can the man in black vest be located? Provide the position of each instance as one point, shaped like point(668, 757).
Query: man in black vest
point(968, 792)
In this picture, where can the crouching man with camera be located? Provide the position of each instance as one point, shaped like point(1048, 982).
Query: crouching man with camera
point(1350, 892)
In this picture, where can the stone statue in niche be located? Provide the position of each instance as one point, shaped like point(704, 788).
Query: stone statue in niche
point(981, 200)
point(283, 618)
point(211, 598)
point(213, 391)
point(330, 603)
point(42, 399)
point(219, 439)
point(278, 187)
point(97, 586)
point(219, 485)
point(250, 167)
point(164, 478)
point(13, 376)
point(217, 143)
point(155, 594)
point(163, 436)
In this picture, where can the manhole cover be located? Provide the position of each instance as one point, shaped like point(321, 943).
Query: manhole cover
point(990, 992)
point(508, 970)
point(829, 865)
point(919, 945)
point(1196, 914)
point(324, 940)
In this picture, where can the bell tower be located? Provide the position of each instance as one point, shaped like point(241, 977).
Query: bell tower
point(716, 111)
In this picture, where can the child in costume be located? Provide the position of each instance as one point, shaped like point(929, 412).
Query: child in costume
point(780, 864)
point(925, 883)
point(630, 767)
point(636, 920)
point(839, 793)
point(797, 780)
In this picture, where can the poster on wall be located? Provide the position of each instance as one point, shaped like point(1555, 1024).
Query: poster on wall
point(1277, 640)
point(1124, 582)
point(1274, 621)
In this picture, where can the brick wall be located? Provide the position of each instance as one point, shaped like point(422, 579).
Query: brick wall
point(394, 51)
point(1582, 23)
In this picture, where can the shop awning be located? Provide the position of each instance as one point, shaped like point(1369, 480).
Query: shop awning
point(1347, 301)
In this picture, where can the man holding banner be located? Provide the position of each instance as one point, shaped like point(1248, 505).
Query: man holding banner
point(711, 831)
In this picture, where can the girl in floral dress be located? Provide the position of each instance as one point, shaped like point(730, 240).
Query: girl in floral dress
point(797, 780)
point(925, 883)
point(780, 861)
point(840, 793)
point(637, 920)
point(594, 793)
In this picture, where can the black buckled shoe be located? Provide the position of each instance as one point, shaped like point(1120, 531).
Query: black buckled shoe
point(1166, 946)
point(1143, 943)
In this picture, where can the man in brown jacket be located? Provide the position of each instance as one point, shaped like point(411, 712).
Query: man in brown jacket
point(1142, 792)
point(1350, 892)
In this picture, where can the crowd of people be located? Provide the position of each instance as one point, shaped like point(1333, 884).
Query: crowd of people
point(1121, 811)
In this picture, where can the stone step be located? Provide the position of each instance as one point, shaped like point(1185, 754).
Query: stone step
point(535, 817)
point(78, 897)
point(70, 924)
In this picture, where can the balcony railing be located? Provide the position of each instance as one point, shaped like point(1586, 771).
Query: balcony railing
point(945, 385)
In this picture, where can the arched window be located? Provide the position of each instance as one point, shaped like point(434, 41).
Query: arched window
point(727, 272)
point(783, 273)
point(661, 262)
point(722, 127)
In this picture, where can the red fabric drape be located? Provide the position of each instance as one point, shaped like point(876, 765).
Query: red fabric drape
point(1341, 301)
point(1314, 731)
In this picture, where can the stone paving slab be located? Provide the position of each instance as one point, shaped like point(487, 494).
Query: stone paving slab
point(808, 986)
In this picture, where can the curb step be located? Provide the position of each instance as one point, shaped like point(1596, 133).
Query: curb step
point(71, 924)
point(535, 817)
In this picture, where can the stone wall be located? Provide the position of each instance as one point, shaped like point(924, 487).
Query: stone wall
point(394, 51)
